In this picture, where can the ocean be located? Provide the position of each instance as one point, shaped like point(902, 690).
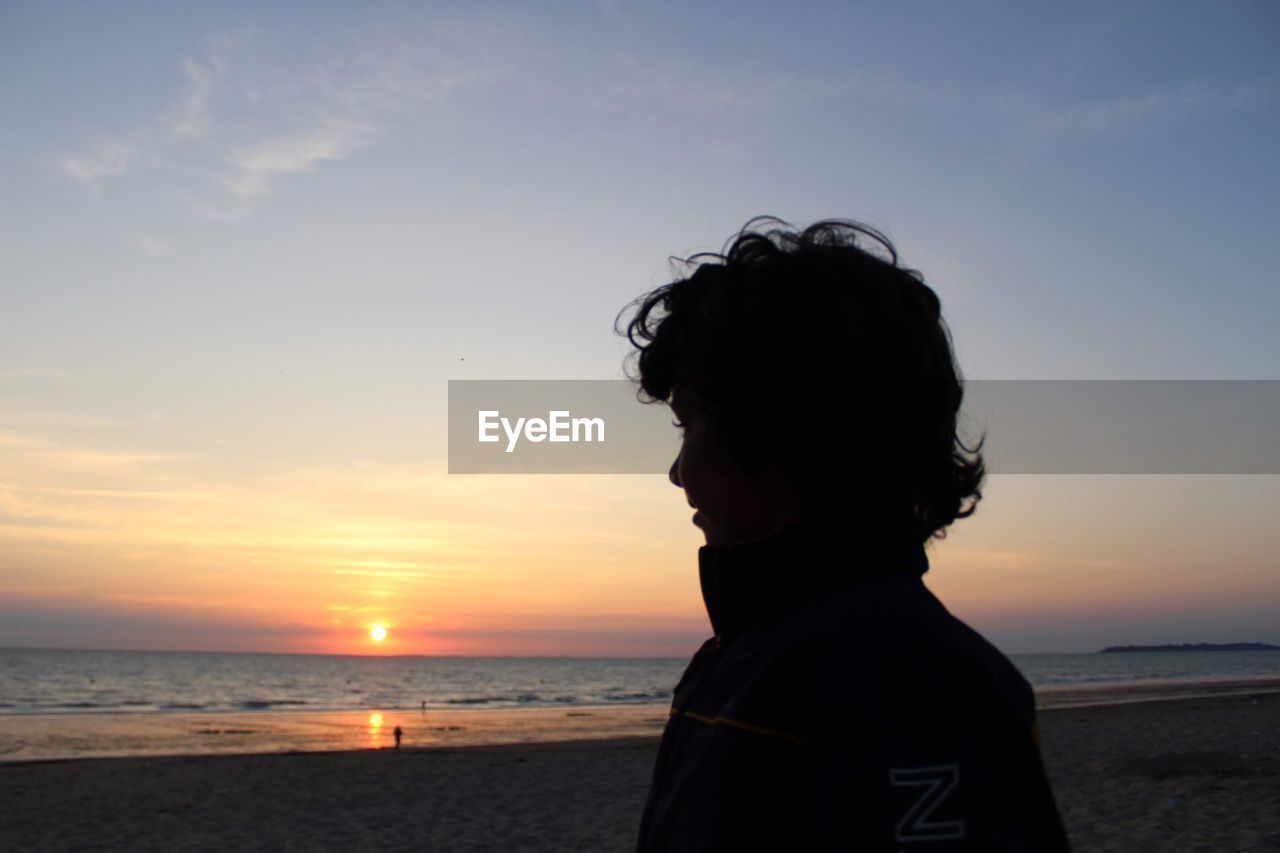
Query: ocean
point(47, 681)
point(60, 704)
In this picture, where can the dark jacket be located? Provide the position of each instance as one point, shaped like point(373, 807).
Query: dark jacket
point(839, 706)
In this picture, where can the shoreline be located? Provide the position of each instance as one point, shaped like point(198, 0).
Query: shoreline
point(1179, 774)
point(1099, 694)
point(28, 738)
point(494, 749)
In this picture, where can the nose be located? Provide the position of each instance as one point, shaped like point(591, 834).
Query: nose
point(674, 474)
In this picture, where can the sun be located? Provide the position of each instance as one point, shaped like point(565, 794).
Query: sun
point(378, 633)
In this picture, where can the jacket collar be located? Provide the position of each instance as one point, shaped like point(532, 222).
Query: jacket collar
point(743, 583)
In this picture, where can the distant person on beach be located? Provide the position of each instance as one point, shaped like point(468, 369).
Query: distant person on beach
point(839, 705)
point(399, 733)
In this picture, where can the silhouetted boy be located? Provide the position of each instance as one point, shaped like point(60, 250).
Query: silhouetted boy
point(839, 706)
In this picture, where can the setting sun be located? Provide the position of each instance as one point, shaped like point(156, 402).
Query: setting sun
point(378, 633)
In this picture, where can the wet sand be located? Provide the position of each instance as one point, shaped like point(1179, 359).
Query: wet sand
point(1199, 774)
point(36, 737)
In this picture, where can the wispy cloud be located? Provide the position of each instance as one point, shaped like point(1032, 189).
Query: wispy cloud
point(989, 558)
point(97, 460)
point(194, 120)
point(245, 116)
point(1187, 101)
point(124, 494)
point(108, 161)
point(75, 458)
point(256, 165)
point(44, 420)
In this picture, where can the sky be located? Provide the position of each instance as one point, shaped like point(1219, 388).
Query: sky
point(243, 248)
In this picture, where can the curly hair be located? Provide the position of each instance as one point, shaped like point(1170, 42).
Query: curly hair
point(789, 332)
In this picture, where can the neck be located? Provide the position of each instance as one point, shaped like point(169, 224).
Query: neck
point(744, 581)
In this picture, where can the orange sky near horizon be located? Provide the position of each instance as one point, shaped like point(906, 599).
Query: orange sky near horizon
point(158, 552)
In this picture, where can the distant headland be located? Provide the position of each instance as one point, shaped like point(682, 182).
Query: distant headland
point(1197, 647)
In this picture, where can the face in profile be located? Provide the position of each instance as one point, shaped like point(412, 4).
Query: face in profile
point(732, 505)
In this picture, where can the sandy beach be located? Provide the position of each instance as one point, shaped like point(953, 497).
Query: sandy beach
point(1198, 774)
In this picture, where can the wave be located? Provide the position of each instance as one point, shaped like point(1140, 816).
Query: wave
point(634, 696)
point(261, 704)
point(513, 699)
point(528, 699)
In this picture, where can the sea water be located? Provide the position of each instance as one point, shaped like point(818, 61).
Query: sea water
point(1083, 670)
point(46, 681)
point(59, 704)
point(64, 681)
